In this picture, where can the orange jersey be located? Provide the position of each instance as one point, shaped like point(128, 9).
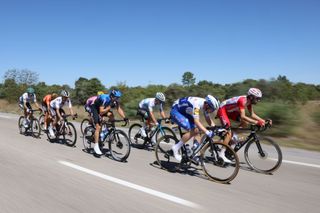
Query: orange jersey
point(46, 100)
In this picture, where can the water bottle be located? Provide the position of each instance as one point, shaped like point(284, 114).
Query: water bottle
point(103, 134)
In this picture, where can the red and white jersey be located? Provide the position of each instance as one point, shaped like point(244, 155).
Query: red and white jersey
point(235, 104)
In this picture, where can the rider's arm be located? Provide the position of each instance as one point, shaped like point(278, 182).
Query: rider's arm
point(199, 125)
point(120, 111)
point(58, 113)
point(209, 120)
point(246, 118)
point(163, 115)
point(103, 110)
point(152, 117)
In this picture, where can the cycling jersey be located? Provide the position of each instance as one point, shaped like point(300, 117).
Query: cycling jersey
point(89, 102)
point(185, 110)
point(27, 98)
point(57, 103)
point(45, 102)
point(149, 104)
point(230, 108)
point(105, 101)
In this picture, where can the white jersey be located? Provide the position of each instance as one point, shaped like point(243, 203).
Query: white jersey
point(149, 104)
point(57, 103)
point(191, 106)
point(27, 98)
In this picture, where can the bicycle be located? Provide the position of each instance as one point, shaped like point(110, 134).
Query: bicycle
point(118, 141)
point(65, 129)
point(144, 142)
point(206, 154)
point(32, 127)
point(84, 124)
point(262, 154)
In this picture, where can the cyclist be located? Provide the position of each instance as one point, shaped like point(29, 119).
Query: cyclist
point(25, 103)
point(234, 108)
point(102, 107)
point(46, 108)
point(145, 110)
point(56, 108)
point(186, 113)
point(91, 100)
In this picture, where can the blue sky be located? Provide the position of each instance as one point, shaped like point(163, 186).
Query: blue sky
point(143, 42)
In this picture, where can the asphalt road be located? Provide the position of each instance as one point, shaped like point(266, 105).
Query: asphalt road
point(39, 176)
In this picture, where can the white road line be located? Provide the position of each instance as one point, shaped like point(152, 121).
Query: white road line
point(4, 116)
point(300, 163)
point(133, 186)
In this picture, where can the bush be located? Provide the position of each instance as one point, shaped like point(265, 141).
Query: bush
point(283, 116)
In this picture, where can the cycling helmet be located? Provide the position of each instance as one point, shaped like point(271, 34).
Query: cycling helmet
point(213, 102)
point(100, 93)
point(54, 96)
point(30, 90)
point(255, 92)
point(115, 93)
point(64, 93)
point(160, 96)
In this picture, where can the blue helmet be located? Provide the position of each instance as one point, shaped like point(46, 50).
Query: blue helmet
point(115, 93)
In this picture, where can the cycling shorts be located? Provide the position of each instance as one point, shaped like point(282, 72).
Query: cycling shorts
point(184, 120)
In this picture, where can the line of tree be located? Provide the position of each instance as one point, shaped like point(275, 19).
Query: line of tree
point(280, 96)
point(16, 81)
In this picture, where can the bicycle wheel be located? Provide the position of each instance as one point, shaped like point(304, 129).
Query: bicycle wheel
point(164, 154)
point(119, 145)
point(84, 124)
point(214, 167)
point(263, 156)
point(164, 131)
point(70, 134)
point(41, 122)
point(135, 135)
point(20, 125)
point(88, 137)
point(35, 128)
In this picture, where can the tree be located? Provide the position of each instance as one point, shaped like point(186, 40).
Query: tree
point(24, 76)
point(188, 79)
point(85, 88)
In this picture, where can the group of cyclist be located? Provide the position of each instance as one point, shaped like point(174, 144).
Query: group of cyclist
point(51, 106)
point(185, 112)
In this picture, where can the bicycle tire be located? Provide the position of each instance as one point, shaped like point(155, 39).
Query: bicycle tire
point(135, 136)
point(119, 145)
point(35, 128)
point(70, 130)
point(84, 123)
point(165, 131)
point(41, 122)
point(164, 154)
point(214, 167)
point(263, 162)
point(88, 137)
point(20, 125)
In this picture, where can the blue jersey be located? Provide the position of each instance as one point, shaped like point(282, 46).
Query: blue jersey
point(105, 101)
point(190, 106)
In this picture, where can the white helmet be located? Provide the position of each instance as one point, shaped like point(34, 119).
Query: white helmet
point(255, 92)
point(65, 93)
point(160, 96)
point(213, 102)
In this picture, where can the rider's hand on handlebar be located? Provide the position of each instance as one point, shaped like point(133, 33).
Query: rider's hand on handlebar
point(167, 120)
point(260, 123)
point(126, 119)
